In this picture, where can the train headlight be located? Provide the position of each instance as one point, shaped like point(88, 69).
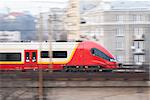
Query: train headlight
point(113, 60)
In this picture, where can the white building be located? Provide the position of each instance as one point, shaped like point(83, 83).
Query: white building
point(72, 19)
point(52, 22)
point(122, 27)
point(10, 36)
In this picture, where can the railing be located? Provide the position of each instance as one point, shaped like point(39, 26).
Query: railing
point(139, 37)
point(139, 51)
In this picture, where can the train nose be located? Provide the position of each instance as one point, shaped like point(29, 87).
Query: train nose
point(112, 65)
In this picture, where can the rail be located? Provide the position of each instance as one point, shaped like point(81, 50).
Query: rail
point(76, 76)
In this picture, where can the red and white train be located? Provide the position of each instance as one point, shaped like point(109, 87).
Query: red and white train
point(66, 56)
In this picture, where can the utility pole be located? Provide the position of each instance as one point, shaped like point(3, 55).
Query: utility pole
point(50, 41)
point(41, 83)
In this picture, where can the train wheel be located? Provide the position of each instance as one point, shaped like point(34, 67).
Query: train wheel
point(23, 70)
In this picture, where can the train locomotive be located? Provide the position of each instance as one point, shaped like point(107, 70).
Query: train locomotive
point(64, 56)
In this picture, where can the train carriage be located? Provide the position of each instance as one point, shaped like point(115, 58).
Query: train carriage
point(64, 56)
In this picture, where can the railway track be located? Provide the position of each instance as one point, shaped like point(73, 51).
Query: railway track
point(74, 76)
point(33, 76)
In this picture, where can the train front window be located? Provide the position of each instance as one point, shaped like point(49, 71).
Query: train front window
point(97, 52)
point(10, 56)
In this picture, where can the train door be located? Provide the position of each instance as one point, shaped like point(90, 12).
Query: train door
point(30, 58)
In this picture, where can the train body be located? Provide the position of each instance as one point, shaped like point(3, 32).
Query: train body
point(63, 56)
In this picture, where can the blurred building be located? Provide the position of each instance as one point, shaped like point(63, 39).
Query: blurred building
point(122, 27)
point(21, 22)
point(10, 36)
point(57, 24)
point(42, 25)
point(72, 19)
point(52, 23)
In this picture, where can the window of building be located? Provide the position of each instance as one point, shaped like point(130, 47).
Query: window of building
point(96, 32)
point(119, 31)
point(138, 31)
point(120, 18)
point(59, 54)
point(148, 17)
point(119, 58)
point(100, 54)
point(139, 58)
point(137, 17)
point(139, 44)
point(10, 56)
point(91, 19)
point(120, 43)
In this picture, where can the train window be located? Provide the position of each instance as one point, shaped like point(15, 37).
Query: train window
point(93, 51)
point(10, 56)
point(44, 54)
point(27, 55)
point(59, 54)
point(33, 56)
point(99, 53)
point(55, 54)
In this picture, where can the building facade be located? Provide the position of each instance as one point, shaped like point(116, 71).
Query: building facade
point(124, 32)
point(6, 36)
point(51, 23)
point(127, 30)
point(72, 19)
point(57, 24)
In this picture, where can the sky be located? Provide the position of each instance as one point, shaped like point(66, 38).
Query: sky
point(36, 6)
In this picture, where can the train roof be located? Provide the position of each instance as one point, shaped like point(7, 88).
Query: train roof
point(37, 42)
point(28, 41)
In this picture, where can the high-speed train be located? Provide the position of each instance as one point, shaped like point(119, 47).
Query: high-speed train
point(56, 56)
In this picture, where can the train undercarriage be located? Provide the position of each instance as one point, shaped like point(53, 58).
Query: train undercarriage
point(81, 69)
point(85, 69)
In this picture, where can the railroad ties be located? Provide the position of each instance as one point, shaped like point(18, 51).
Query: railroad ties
point(76, 76)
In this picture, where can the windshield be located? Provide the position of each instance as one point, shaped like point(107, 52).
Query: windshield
point(97, 52)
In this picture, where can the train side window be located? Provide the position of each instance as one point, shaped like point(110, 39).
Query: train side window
point(10, 56)
point(44, 54)
point(59, 54)
point(55, 54)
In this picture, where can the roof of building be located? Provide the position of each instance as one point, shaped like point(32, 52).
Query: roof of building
point(16, 14)
point(122, 5)
point(130, 5)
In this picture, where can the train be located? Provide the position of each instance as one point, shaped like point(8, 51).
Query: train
point(55, 56)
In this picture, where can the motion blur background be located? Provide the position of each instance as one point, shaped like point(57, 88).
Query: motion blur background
point(121, 26)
